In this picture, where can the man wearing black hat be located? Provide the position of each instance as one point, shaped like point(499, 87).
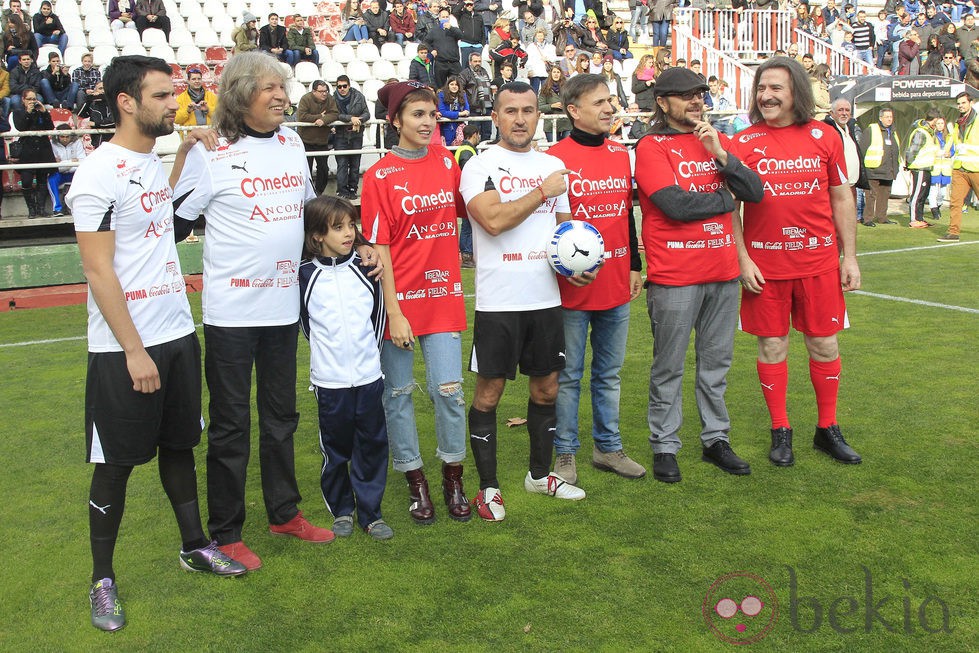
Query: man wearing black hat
point(688, 184)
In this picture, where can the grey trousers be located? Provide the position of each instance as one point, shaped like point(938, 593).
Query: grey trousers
point(710, 309)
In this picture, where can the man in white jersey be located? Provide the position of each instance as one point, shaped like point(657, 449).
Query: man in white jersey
point(251, 189)
point(143, 392)
point(515, 195)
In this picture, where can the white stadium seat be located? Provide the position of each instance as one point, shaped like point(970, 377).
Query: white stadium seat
point(325, 53)
point(164, 52)
point(103, 54)
point(234, 8)
point(197, 22)
point(101, 37)
point(223, 23)
point(89, 7)
point(306, 72)
point(126, 37)
point(224, 39)
point(133, 48)
point(260, 8)
point(404, 68)
point(368, 52)
point(190, 8)
point(358, 71)
point(181, 37)
point(213, 8)
point(295, 90)
point(153, 36)
point(189, 54)
point(411, 50)
point(72, 21)
point(205, 38)
point(168, 144)
point(65, 8)
point(331, 70)
point(391, 52)
point(383, 70)
point(96, 21)
point(371, 87)
point(42, 54)
point(73, 54)
point(343, 53)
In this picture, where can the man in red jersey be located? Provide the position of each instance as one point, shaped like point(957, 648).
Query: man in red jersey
point(790, 248)
point(600, 192)
point(688, 184)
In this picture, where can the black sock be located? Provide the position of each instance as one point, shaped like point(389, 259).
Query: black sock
point(106, 502)
point(541, 422)
point(179, 478)
point(482, 439)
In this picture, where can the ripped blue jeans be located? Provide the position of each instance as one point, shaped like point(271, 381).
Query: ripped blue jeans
point(443, 382)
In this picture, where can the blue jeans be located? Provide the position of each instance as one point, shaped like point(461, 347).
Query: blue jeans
point(866, 55)
point(619, 56)
point(61, 40)
point(295, 56)
point(443, 381)
point(638, 23)
point(661, 30)
point(357, 33)
point(861, 202)
point(609, 331)
point(466, 237)
point(65, 97)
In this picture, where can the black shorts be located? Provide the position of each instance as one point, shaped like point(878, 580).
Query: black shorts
point(125, 427)
point(535, 339)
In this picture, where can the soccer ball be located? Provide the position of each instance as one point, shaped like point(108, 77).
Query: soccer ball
point(575, 247)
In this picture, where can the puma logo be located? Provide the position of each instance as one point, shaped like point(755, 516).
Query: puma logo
point(101, 509)
point(503, 169)
point(768, 387)
point(241, 167)
point(404, 188)
point(833, 378)
point(761, 150)
point(137, 182)
point(484, 438)
point(679, 153)
point(833, 319)
point(578, 250)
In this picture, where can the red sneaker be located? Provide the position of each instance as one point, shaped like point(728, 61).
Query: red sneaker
point(299, 527)
point(238, 551)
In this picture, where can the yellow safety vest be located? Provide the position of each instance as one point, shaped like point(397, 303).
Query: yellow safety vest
point(943, 159)
point(874, 155)
point(925, 158)
point(465, 147)
point(966, 147)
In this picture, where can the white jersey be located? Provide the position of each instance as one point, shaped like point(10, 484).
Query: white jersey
point(512, 272)
point(251, 193)
point(127, 192)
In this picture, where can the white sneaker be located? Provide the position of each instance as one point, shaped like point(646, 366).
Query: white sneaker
point(553, 485)
point(488, 504)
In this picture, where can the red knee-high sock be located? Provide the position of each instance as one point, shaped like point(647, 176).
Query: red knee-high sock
point(826, 382)
point(774, 379)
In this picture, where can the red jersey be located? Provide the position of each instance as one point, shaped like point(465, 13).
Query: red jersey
point(600, 192)
point(791, 234)
point(678, 252)
point(413, 206)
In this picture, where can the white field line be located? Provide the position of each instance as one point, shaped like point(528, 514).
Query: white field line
point(920, 302)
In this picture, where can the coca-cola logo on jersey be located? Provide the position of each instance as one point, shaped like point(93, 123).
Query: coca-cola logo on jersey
point(688, 169)
point(800, 163)
point(252, 186)
point(154, 198)
point(513, 183)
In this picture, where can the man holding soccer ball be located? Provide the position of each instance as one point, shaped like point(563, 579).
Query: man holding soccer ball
point(514, 196)
point(688, 183)
point(600, 192)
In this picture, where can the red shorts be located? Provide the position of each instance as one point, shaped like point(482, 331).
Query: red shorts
point(815, 304)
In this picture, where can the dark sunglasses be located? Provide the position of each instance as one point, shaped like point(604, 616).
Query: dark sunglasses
point(343, 85)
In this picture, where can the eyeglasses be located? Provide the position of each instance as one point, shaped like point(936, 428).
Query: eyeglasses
point(949, 56)
point(689, 95)
point(618, 22)
point(751, 607)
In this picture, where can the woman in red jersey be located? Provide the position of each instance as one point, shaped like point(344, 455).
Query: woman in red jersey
point(410, 208)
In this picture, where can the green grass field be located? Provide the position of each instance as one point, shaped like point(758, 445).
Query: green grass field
point(858, 558)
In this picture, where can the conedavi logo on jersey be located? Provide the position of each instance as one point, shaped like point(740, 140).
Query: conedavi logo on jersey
point(413, 203)
point(252, 186)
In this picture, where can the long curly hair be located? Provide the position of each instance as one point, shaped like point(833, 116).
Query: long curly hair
point(240, 83)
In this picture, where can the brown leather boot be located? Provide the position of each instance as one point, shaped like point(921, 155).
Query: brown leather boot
point(455, 496)
point(421, 509)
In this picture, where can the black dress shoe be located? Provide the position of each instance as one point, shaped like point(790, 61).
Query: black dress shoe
point(868, 224)
point(887, 222)
point(721, 454)
point(665, 468)
point(830, 441)
point(781, 453)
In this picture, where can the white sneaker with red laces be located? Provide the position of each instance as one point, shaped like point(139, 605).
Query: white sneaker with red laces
point(488, 504)
point(553, 485)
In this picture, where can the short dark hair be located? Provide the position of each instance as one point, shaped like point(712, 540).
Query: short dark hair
point(54, 55)
point(317, 84)
point(517, 88)
point(577, 86)
point(712, 78)
point(469, 131)
point(966, 94)
point(342, 78)
point(932, 114)
point(695, 61)
point(125, 75)
point(273, 14)
point(884, 109)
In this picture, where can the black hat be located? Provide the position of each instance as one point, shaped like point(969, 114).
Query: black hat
point(677, 81)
